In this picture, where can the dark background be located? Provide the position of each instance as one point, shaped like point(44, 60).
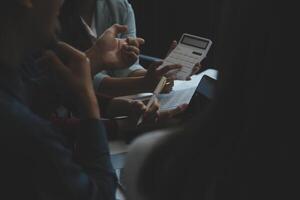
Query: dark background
point(160, 22)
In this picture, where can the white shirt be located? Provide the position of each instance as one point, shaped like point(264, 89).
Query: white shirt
point(91, 30)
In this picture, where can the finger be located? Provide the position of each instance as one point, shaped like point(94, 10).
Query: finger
point(132, 49)
point(135, 41)
point(184, 107)
point(68, 53)
point(117, 29)
point(141, 41)
point(198, 65)
point(153, 66)
point(153, 108)
point(195, 70)
point(168, 87)
point(52, 61)
point(170, 81)
point(139, 106)
point(129, 57)
point(132, 41)
point(173, 44)
point(150, 116)
point(172, 76)
point(172, 47)
point(168, 68)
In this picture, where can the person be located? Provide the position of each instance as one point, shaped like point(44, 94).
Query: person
point(84, 21)
point(36, 159)
point(242, 146)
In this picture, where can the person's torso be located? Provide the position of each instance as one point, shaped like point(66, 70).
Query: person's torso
point(109, 12)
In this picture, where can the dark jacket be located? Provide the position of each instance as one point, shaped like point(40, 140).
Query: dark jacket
point(36, 161)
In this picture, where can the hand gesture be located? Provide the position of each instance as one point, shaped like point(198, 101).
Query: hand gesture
point(121, 106)
point(154, 75)
point(73, 70)
point(197, 66)
point(109, 52)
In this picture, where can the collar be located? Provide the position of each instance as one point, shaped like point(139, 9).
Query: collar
point(92, 31)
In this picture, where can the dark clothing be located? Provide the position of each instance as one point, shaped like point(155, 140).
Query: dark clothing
point(72, 29)
point(45, 92)
point(36, 161)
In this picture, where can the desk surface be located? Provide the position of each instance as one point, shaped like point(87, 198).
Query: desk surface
point(118, 147)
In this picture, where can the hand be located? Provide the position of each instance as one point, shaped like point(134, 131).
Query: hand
point(195, 70)
point(169, 114)
point(133, 109)
point(151, 115)
point(153, 76)
point(168, 86)
point(110, 52)
point(120, 106)
point(197, 66)
point(172, 47)
point(72, 67)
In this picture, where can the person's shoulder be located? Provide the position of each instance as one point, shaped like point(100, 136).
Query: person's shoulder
point(121, 5)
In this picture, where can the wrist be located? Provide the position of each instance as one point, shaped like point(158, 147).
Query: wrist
point(89, 105)
point(94, 60)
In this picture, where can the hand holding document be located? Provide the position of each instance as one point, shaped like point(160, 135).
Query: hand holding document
point(156, 92)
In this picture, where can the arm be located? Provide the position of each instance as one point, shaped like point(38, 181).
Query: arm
point(88, 173)
point(137, 73)
point(129, 20)
point(123, 86)
point(133, 85)
point(109, 52)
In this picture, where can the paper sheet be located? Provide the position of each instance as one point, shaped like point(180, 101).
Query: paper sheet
point(183, 91)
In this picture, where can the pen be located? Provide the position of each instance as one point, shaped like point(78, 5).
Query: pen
point(156, 92)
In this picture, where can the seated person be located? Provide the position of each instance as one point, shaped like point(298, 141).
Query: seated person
point(56, 98)
point(83, 21)
point(46, 85)
point(37, 163)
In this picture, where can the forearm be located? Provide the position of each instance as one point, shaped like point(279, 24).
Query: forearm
point(88, 104)
point(123, 86)
point(95, 66)
point(138, 73)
